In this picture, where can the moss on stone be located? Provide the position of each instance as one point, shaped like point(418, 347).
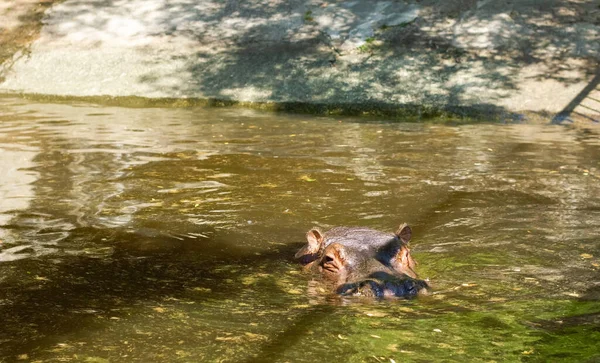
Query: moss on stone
point(372, 110)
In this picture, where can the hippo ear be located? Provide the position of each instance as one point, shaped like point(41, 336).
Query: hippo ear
point(314, 237)
point(404, 233)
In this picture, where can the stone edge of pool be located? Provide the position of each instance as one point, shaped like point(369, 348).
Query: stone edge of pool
point(366, 111)
point(421, 60)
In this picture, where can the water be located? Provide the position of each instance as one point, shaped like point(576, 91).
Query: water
point(167, 235)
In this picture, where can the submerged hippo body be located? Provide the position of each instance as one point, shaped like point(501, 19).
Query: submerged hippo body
point(390, 249)
point(353, 273)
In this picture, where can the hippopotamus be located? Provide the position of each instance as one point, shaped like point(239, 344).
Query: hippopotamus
point(390, 249)
point(352, 272)
point(360, 261)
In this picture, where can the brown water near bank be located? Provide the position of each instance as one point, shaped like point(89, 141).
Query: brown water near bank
point(167, 235)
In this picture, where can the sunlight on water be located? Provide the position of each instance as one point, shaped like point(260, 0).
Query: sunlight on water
point(160, 235)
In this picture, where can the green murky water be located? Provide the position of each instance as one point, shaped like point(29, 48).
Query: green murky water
point(167, 235)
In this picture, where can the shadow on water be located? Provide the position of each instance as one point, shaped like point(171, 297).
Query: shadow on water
point(551, 344)
point(296, 330)
point(54, 297)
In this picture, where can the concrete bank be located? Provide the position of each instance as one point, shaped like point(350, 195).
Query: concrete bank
point(414, 58)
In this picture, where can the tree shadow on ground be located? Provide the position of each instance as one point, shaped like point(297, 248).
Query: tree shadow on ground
point(457, 57)
point(588, 94)
point(465, 67)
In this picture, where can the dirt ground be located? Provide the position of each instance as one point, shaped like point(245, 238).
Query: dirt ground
point(20, 24)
